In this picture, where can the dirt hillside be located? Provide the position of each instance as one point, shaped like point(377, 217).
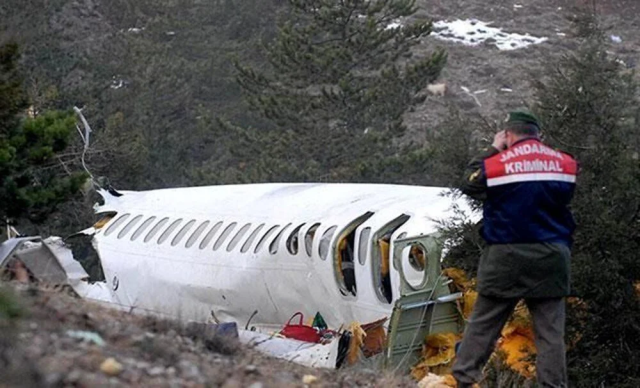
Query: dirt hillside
point(42, 349)
point(500, 79)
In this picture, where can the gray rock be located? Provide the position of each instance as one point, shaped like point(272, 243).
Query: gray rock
point(143, 365)
point(131, 376)
point(156, 371)
point(232, 383)
point(73, 376)
point(54, 379)
point(188, 369)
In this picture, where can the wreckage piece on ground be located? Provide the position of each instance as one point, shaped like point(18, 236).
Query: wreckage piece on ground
point(256, 254)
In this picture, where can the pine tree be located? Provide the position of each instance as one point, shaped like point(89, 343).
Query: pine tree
point(31, 183)
point(590, 108)
point(342, 75)
point(343, 64)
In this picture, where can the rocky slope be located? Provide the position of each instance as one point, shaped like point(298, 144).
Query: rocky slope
point(62, 341)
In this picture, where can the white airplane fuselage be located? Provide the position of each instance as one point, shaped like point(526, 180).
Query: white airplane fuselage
point(227, 251)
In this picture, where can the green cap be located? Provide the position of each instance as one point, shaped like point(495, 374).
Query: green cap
point(523, 117)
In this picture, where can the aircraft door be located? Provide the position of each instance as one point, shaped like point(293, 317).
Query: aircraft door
point(417, 260)
point(426, 305)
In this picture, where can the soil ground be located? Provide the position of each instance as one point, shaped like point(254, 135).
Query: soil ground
point(485, 68)
point(37, 350)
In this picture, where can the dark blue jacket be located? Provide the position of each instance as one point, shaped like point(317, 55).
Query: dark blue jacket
point(526, 191)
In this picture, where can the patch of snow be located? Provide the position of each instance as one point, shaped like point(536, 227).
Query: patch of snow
point(506, 90)
point(135, 30)
point(170, 33)
point(561, 34)
point(517, 6)
point(616, 39)
point(472, 32)
point(393, 25)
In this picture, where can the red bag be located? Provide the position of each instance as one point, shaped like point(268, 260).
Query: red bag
point(300, 332)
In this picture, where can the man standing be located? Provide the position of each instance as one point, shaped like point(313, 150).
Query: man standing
point(526, 188)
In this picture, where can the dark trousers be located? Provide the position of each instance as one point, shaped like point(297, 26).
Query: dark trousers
point(485, 325)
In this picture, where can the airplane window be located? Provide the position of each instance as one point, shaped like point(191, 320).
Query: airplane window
point(265, 237)
point(308, 238)
point(196, 234)
point(252, 237)
point(413, 264)
point(236, 239)
point(142, 228)
point(116, 224)
point(182, 232)
point(418, 257)
point(169, 230)
point(325, 241)
point(207, 239)
point(225, 233)
point(273, 247)
point(363, 245)
point(129, 226)
point(155, 229)
point(293, 240)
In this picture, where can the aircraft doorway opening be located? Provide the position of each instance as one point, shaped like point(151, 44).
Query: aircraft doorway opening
point(382, 258)
point(344, 257)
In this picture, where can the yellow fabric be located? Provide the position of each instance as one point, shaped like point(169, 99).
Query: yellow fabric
point(517, 342)
point(102, 222)
point(468, 301)
point(357, 339)
point(384, 257)
point(438, 353)
point(519, 349)
point(463, 284)
point(459, 278)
